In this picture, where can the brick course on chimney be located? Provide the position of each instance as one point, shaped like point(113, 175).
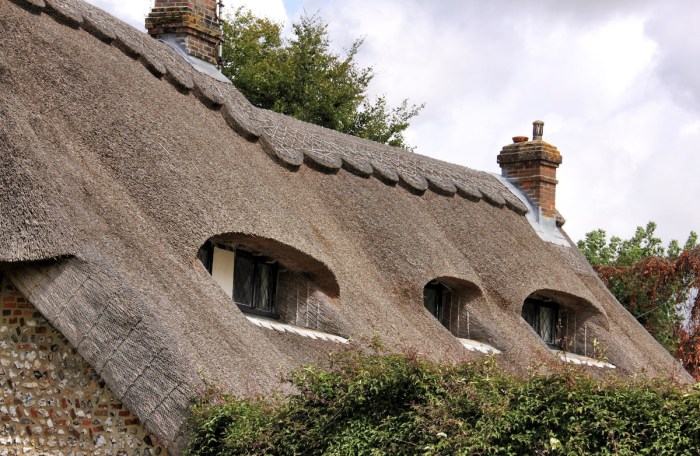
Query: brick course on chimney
point(193, 22)
point(532, 167)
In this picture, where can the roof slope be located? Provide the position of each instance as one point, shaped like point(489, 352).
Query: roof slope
point(287, 140)
point(119, 161)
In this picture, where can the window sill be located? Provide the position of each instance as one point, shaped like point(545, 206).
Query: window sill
point(303, 332)
point(573, 358)
point(473, 345)
point(257, 313)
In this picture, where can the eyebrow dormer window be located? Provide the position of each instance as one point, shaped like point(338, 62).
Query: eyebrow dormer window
point(460, 307)
point(247, 278)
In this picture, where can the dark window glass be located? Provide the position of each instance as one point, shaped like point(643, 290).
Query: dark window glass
point(264, 283)
point(436, 298)
point(254, 281)
point(206, 255)
point(446, 300)
point(542, 316)
point(431, 301)
point(243, 276)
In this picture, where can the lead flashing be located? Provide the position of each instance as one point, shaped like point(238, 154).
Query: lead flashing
point(545, 227)
point(198, 64)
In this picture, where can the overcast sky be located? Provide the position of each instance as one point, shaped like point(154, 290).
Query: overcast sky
point(616, 82)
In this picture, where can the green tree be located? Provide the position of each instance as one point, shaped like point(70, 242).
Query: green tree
point(658, 285)
point(302, 77)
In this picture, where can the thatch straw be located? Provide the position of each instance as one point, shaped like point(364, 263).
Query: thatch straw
point(121, 161)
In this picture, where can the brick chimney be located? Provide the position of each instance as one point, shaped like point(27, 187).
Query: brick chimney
point(193, 23)
point(532, 167)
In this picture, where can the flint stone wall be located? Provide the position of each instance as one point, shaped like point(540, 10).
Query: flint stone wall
point(53, 402)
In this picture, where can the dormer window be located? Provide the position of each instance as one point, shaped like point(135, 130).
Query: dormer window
point(570, 326)
point(249, 279)
point(459, 305)
point(270, 280)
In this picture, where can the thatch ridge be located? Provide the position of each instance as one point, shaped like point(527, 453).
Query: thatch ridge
point(290, 142)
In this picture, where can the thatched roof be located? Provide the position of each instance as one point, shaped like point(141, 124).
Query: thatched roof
point(118, 161)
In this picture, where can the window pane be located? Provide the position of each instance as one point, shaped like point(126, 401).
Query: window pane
point(430, 301)
point(445, 307)
point(530, 315)
point(547, 317)
point(542, 316)
point(264, 282)
point(243, 279)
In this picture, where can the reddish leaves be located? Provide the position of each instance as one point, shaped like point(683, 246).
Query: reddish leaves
point(663, 295)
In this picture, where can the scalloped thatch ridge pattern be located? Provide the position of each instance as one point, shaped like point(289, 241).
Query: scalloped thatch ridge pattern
point(288, 141)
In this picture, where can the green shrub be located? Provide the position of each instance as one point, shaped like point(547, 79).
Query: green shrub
point(405, 405)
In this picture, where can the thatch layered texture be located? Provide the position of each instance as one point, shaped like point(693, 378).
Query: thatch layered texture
point(118, 161)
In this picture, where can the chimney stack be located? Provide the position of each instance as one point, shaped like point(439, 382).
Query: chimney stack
point(532, 167)
point(193, 23)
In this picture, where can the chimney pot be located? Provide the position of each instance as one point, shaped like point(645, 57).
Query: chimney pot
point(519, 139)
point(537, 130)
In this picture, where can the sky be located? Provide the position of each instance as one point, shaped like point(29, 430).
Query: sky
point(616, 83)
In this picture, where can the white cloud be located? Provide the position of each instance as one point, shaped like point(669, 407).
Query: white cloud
point(135, 11)
point(132, 11)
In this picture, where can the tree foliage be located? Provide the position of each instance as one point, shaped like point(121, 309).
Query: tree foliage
point(658, 285)
point(405, 405)
point(302, 77)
